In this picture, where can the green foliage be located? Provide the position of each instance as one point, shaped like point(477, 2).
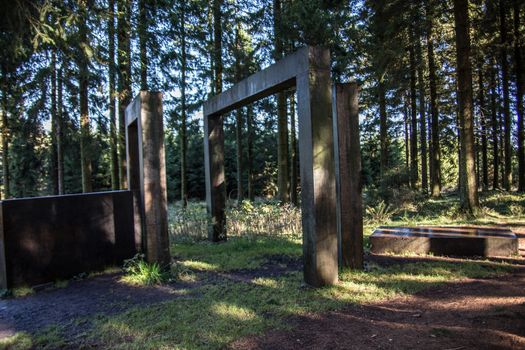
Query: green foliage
point(381, 212)
point(139, 272)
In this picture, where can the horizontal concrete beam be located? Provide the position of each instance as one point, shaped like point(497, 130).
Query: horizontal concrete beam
point(275, 78)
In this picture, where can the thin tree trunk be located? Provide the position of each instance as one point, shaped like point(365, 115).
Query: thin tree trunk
point(507, 178)
point(407, 134)
point(483, 124)
point(85, 129)
point(422, 116)
point(383, 131)
point(294, 156)
point(183, 125)
point(494, 127)
point(4, 134)
point(435, 151)
point(143, 42)
point(124, 83)
point(54, 122)
point(468, 191)
point(115, 181)
point(238, 118)
point(518, 46)
point(414, 177)
point(282, 118)
point(249, 153)
point(60, 133)
point(217, 44)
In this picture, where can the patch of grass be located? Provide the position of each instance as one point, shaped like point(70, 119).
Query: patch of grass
point(19, 341)
point(141, 273)
point(228, 310)
point(22, 291)
point(236, 253)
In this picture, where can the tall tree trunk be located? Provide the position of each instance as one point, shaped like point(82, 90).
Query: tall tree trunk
point(115, 181)
point(124, 82)
point(383, 132)
point(54, 122)
point(483, 124)
point(407, 134)
point(249, 151)
point(4, 134)
point(238, 117)
point(518, 46)
point(507, 178)
point(422, 115)
point(85, 129)
point(143, 43)
point(494, 127)
point(294, 154)
point(60, 133)
point(468, 191)
point(183, 127)
point(414, 177)
point(217, 45)
point(435, 150)
point(282, 118)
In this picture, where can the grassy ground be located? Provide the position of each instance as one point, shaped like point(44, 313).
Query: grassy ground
point(218, 307)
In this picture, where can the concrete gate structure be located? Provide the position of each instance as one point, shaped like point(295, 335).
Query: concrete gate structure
point(308, 70)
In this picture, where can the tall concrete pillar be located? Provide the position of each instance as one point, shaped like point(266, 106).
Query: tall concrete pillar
point(348, 175)
point(316, 157)
point(147, 174)
point(215, 178)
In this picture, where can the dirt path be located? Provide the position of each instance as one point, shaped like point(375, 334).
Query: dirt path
point(71, 306)
point(473, 314)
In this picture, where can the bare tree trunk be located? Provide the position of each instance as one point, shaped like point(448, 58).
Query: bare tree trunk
point(217, 44)
point(54, 122)
point(422, 115)
point(4, 134)
point(115, 181)
point(85, 129)
point(414, 177)
point(483, 124)
point(238, 117)
point(435, 150)
point(143, 43)
point(507, 178)
point(282, 118)
point(518, 46)
point(468, 191)
point(407, 134)
point(494, 127)
point(249, 155)
point(183, 125)
point(383, 132)
point(60, 133)
point(294, 156)
point(124, 82)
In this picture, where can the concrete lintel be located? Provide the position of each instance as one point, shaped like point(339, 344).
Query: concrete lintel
point(273, 79)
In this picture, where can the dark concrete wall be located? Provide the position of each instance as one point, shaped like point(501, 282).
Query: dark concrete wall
point(49, 238)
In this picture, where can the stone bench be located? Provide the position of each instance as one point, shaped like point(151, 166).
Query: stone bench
point(445, 240)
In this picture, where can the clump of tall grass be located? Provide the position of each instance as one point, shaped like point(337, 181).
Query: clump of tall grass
point(141, 273)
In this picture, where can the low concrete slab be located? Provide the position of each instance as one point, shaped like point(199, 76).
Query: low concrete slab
point(443, 240)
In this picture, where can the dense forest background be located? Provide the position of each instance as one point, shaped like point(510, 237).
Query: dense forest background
point(441, 98)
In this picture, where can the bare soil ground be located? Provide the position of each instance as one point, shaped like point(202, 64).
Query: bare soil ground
point(472, 314)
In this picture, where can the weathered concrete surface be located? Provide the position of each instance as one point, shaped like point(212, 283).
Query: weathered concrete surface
point(147, 173)
point(348, 175)
point(309, 70)
point(456, 241)
point(48, 238)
